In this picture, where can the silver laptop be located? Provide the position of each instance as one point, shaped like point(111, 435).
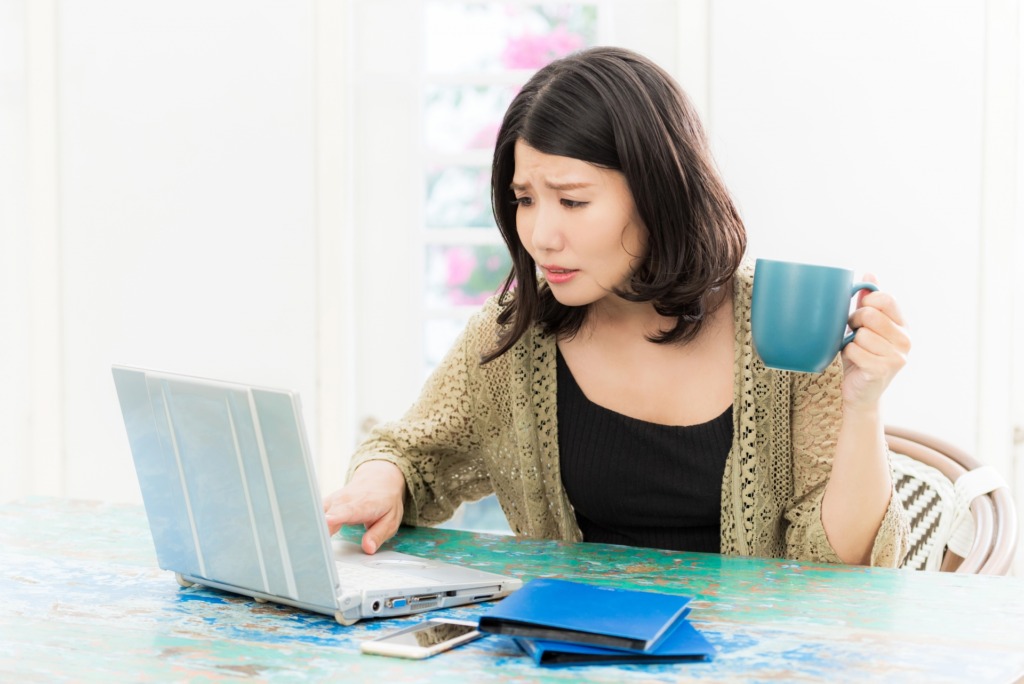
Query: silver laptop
point(233, 503)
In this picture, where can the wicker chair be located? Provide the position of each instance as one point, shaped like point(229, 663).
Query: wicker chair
point(962, 516)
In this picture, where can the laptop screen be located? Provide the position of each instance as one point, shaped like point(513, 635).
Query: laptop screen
point(228, 483)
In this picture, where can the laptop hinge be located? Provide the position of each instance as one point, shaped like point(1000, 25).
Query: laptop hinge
point(348, 599)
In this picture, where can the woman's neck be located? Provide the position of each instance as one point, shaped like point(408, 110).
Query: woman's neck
point(617, 318)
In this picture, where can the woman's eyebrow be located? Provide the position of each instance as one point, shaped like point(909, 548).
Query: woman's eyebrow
point(568, 186)
point(518, 187)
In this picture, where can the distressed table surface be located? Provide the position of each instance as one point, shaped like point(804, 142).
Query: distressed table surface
point(84, 601)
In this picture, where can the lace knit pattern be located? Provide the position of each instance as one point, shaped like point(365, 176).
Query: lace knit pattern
point(480, 429)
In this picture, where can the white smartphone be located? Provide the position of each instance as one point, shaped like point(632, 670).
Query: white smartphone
point(424, 639)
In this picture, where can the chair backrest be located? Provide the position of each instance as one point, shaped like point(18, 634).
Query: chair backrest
point(962, 515)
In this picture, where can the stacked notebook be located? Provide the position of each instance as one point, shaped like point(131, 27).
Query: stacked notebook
point(559, 622)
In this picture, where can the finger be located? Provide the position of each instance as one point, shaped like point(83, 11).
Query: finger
point(870, 318)
point(340, 514)
point(354, 513)
point(873, 319)
point(874, 355)
point(868, 278)
point(879, 347)
point(857, 354)
point(884, 302)
point(379, 533)
point(336, 517)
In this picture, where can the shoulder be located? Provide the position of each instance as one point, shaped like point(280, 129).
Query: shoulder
point(485, 317)
point(483, 331)
point(742, 294)
point(743, 278)
point(484, 323)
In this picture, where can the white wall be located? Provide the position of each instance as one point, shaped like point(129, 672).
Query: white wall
point(185, 186)
point(851, 135)
point(14, 248)
point(882, 136)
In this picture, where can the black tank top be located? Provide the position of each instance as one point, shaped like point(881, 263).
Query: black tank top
point(637, 483)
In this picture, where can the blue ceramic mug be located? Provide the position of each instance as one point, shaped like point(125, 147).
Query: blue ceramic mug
point(799, 313)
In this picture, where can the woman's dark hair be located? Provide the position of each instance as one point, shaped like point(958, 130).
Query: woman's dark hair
point(618, 110)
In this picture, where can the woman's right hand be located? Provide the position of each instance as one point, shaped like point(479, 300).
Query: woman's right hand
point(373, 498)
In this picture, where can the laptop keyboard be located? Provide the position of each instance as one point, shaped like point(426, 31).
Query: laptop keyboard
point(373, 578)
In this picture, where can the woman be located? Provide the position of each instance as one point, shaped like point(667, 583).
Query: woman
point(616, 397)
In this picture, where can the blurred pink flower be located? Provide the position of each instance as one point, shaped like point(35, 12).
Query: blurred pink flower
point(461, 263)
point(460, 298)
point(532, 51)
point(486, 137)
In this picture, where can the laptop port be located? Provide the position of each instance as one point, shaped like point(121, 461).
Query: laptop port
point(423, 598)
point(375, 607)
point(397, 602)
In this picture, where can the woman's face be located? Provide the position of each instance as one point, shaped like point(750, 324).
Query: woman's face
point(578, 222)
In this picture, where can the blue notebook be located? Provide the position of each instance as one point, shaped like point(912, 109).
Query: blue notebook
point(562, 610)
point(683, 644)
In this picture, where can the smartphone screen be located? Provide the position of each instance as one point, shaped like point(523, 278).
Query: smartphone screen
point(424, 639)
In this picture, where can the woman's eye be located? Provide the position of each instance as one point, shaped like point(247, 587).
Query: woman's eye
point(572, 204)
point(522, 201)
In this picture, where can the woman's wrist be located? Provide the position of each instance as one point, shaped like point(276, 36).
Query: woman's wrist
point(381, 471)
point(868, 414)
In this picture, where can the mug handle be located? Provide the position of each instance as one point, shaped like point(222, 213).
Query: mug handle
point(857, 287)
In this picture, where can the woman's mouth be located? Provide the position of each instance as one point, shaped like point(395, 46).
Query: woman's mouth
point(556, 275)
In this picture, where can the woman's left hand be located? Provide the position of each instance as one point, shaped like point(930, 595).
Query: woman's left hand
point(878, 350)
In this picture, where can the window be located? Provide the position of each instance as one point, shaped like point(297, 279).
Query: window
point(467, 85)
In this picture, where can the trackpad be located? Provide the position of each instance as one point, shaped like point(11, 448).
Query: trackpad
point(389, 561)
point(395, 564)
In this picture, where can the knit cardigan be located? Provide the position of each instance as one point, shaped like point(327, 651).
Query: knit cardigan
point(478, 429)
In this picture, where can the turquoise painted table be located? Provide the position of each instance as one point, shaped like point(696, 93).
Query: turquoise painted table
point(83, 600)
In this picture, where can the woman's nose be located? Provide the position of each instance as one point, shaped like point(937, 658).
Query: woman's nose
point(546, 234)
